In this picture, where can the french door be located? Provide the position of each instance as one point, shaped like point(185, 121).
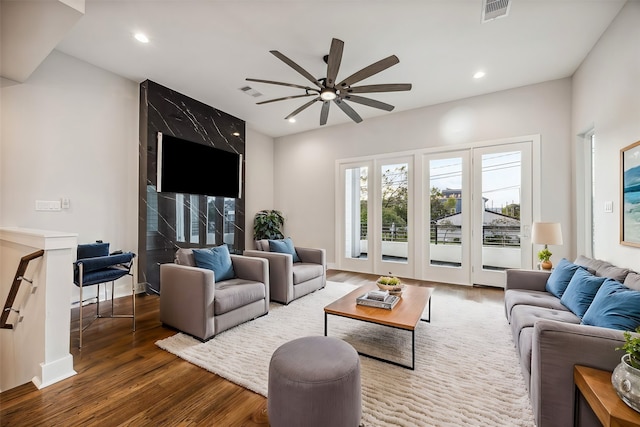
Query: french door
point(460, 216)
point(374, 216)
point(502, 206)
point(447, 214)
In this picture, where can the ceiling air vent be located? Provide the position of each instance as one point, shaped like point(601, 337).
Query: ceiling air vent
point(250, 91)
point(493, 9)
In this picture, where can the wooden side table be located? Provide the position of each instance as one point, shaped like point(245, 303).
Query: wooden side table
point(595, 385)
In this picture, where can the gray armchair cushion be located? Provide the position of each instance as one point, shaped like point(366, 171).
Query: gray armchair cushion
point(304, 272)
point(236, 293)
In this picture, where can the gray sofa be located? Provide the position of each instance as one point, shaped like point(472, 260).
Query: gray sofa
point(550, 340)
point(192, 302)
point(289, 280)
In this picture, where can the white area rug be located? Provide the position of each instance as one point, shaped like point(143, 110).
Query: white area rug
point(467, 372)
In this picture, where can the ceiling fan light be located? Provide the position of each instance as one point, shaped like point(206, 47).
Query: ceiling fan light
point(328, 94)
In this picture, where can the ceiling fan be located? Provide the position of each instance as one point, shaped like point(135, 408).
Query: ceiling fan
point(328, 90)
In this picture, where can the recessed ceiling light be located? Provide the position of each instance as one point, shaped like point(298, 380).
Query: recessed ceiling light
point(236, 134)
point(141, 38)
point(292, 120)
point(479, 75)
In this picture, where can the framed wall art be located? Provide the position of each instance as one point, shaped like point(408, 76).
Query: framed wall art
point(630, 195)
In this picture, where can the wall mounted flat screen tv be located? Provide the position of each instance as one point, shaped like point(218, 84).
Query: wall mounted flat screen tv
point(192, 168)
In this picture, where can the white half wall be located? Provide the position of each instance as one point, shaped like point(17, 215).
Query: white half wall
point(305, 163)
point(606, 98)
point(71, 130)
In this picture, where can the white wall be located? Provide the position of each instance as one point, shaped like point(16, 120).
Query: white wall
point(606, 97)
point(305, 163)
point(258, 179)
point(71, 130)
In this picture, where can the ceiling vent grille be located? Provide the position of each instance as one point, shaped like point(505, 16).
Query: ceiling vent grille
point(493, 9)
point(250, 91)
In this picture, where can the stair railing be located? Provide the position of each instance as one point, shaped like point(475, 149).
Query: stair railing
point(15, 287)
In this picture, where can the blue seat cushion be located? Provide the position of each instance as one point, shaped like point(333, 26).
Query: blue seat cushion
point(216, 259)
point(580, 292)
point(615, 306)
point(101, 276)
point(102, 269)
point(100, 262)
point(284, 246)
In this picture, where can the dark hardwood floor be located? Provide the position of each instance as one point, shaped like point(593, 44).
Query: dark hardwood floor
point(124, 379)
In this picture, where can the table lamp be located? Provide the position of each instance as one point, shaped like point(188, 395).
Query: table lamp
point(546, 233)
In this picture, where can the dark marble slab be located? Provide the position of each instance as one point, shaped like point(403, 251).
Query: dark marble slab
point(168, 221)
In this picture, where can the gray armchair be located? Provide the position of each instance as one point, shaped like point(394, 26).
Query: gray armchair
point(192, 302)
point(289, 280)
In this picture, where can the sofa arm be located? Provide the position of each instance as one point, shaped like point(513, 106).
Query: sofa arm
point(186, 299)
point(280, 273)
point(312, 255)
point(532, 280)
point(557, 347)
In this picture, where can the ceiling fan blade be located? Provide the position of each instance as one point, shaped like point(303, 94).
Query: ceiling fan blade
point(324, 113)
point(296, 67)
point(286, 97)
point(334, 60)
point(393, 87)
point(271, 82)
point(369, 71)
point(348, 110)
point(370, 102)
point(307, 105)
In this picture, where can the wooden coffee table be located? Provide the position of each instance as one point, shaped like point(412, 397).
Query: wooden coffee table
point(405, 315)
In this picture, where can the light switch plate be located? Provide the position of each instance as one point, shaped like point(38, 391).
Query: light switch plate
point(48, 205)
point(608, 207)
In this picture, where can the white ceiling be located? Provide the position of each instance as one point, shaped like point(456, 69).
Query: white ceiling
point(205, 49)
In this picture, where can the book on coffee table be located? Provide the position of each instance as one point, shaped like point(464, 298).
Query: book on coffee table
point(388, 303)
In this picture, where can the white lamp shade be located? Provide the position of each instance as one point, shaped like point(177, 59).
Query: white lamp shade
point(546, 233)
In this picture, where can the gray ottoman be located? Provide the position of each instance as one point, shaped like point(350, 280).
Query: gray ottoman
point(314, 381)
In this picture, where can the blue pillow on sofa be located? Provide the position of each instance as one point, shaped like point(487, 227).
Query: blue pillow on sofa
point(615, 306)
point(284, 246)
point(560, 277)
point(580, 292)
point(217, 259)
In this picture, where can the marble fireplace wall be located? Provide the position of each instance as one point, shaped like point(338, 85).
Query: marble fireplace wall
point(168, 221)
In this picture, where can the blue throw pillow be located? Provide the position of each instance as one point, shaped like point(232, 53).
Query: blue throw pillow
point(284, 246)
point(216, 259)
point(580, 292)
point(615, 306)
point(560, 277)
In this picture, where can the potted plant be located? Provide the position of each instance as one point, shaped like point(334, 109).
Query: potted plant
point(626, 376)
point(391, 284)
point(632, 347)
point(544, 256)
point(267, 224)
